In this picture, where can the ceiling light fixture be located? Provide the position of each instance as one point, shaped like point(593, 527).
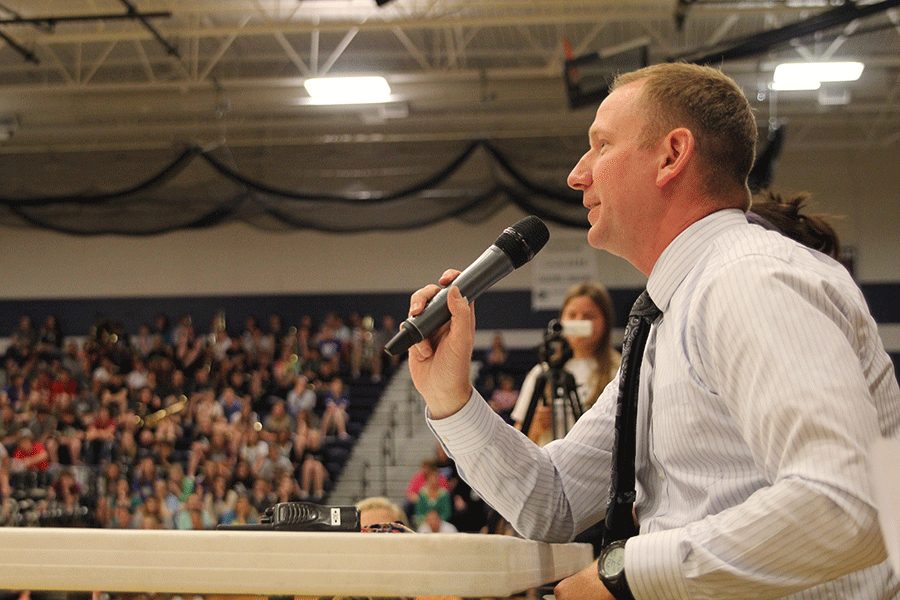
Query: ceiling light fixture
point(795, 85)
point(347, 90)
point(809, 76)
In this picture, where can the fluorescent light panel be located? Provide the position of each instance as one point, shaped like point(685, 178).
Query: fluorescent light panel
point(796, 85)
point(347, 90)
point(805, 76)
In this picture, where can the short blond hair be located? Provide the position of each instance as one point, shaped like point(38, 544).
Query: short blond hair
point(712, 106)
point(383, 503)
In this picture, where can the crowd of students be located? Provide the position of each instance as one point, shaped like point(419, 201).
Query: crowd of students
point(167, 427)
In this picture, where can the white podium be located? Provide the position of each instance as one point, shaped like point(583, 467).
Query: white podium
point(276, 563)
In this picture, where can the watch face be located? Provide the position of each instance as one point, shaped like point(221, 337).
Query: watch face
point(614, 562)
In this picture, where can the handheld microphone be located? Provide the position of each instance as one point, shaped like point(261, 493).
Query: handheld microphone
point(516, 246)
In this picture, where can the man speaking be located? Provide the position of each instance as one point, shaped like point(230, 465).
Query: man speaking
point(756, 383)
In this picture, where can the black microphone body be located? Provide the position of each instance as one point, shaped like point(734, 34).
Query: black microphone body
point(515, 246)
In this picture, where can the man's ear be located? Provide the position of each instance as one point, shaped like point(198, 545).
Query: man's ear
point(676, 151)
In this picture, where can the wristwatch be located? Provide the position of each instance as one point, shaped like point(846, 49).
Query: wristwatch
point(611, 567)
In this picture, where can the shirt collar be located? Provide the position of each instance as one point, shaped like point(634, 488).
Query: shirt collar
point(684, 251)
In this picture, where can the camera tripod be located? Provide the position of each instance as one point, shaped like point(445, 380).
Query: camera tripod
point(555, 386)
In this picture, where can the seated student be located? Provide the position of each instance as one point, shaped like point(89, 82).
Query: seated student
point(287, 489)
point(219, 500)
point(261, 495)
point(17, 390)
point(277, 420)
point(154, 511)
point(30, 455)
point(122, 517)
point(310, 458)
point(503, 398)
point(376, 510)
point(434, 523)
point(271, 465)
point(243, 513)
point(433, 496)
point(495, 364)
point(194, 515)
point(100, 437)
point(301, 400)
point(417, 482)
point(10, 424)
point(65, 444)
point(335, 417)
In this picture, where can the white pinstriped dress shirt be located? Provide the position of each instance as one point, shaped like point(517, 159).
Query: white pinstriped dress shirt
point(763, 385)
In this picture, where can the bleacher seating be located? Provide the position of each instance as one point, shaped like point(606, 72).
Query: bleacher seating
point(27, 498)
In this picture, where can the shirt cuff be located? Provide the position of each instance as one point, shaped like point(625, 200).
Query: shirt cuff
point(653, 566)
point(467, 430)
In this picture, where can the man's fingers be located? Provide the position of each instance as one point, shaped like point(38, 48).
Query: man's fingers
point(448, 277)
point(460, 308)
point(421, 351)
point(421, 297)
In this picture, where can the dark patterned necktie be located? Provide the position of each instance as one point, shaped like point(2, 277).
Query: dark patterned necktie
point(619, 523)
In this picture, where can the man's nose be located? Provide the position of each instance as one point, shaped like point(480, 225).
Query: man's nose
point(580, 177)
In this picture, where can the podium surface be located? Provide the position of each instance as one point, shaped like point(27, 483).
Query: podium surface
point(276, 563)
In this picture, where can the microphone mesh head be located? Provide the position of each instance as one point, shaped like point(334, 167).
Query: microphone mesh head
point(523, 240)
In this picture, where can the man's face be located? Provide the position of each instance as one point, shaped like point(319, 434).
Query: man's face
point(617, 175)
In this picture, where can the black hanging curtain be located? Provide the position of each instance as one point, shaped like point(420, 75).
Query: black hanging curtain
point(171, 199)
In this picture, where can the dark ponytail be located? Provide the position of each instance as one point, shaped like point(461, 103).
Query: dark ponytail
point(786, 216)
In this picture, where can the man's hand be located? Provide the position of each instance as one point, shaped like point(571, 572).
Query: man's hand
point(440, 365)
point(583, 585)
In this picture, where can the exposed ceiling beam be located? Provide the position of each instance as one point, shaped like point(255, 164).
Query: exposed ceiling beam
point(766, 40)
point(49, 24)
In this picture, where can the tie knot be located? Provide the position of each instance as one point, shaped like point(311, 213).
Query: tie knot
point(645, 308)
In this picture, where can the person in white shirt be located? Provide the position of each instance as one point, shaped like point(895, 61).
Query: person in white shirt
point(593, 362)
point(763, 384)
point(432, 522)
